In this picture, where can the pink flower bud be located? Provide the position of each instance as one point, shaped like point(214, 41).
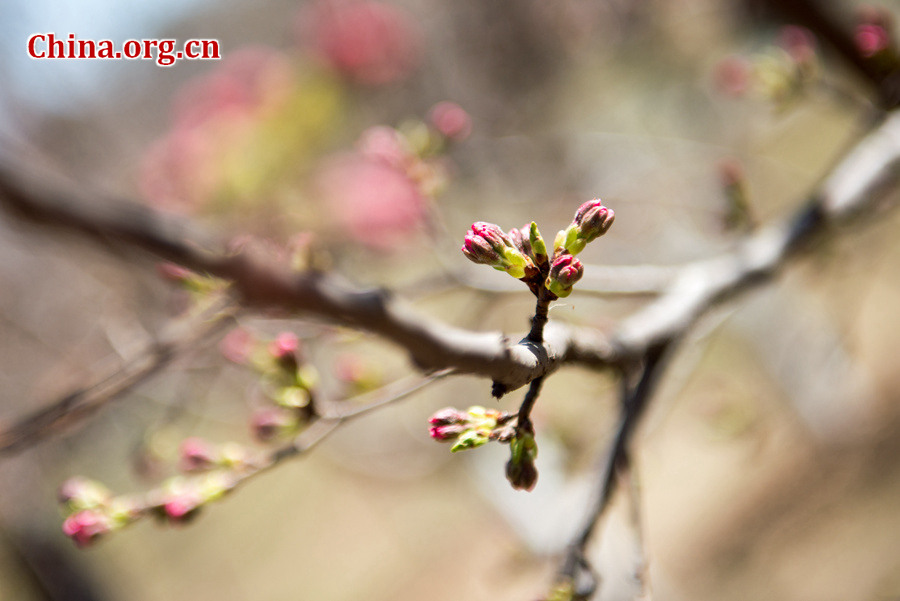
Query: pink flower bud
point(81, 493)
point(384, 144)
point(284, 346)
point(593, 220)
point(197, 455)
point(492, 234)
point(564, 272)
point(871, 39)
point(270, 423)
point(446, 432)
point(732, 76)
point(173, 273)
point(798, 42)
point(86, 526)
point(447, 416)
point(521, 239)
point(451, 120)
point(479, 250)
point(237, 345)
point(182, 506)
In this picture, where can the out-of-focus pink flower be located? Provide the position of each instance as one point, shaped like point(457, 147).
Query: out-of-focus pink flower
point(284, 345)
point(382, 143)
point(237, 345)
point(451, 120)
point(246, 81)
point(373, 203)
point(86, 526)
point(183, 170)
point(871, 39)
point(371, 43)
point(178, 172)
point(196, 455)
point(731, 76)
point(182, 506)
point(798, 42)
point(271, 422)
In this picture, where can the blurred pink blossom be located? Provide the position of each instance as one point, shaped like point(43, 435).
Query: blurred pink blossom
point(798, 42)
point(372, 202)
point(182, 170)
point(86, 526)
point(385, 144)
point(371, 43)
point(871, 39)
point(284, 345)
point(731, 75)
point(451, 120)
point(237, 345)
point(246, 81)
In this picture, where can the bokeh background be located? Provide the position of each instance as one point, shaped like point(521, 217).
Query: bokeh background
point(768, 466)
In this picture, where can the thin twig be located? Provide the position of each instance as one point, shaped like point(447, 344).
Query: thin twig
point(82, 403)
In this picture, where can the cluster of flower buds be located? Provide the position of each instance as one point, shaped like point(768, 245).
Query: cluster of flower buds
point(199, 455)
point(180, 499)
point(592, 220)
point(380, 194)
point(782, 74)
point(487, 244)
point(210, 471)
point(288, 382)
point(93, 511)
point(523, 254)
point(564, 272)
point(471, 428)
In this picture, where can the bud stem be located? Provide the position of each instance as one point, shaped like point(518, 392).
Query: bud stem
point(523, 421)
point(541, 310)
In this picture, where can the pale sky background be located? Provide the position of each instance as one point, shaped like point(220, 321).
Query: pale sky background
point(62, 86)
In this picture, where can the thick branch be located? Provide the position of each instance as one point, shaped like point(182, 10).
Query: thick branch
point(854, 185)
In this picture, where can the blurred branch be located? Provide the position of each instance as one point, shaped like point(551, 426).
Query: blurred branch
point(260, 283)
point(862, 178)
point(84, 402)
point(315, 432)
point(853, 186)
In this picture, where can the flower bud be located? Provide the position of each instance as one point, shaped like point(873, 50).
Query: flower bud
point(273, 422)
point(521, 240)
point(446, 432)
point(469, 439)
point(871, 39)
point(520, 469)
point(86, 526)
point(592, 220)
point(479, 250)
point(182, 506)
point(196, 455)
point(447, 416)
point(79, 493)
point(538, 248)
point(451, 120)
point(284, 346)
point(564, 272)
point(487, 244)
